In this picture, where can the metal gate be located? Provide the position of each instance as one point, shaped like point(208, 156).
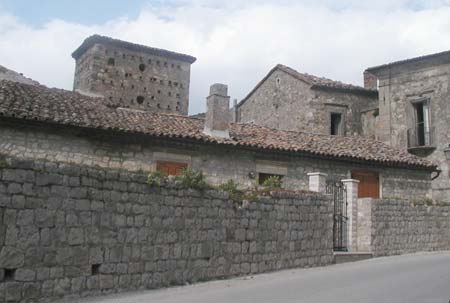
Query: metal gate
point(339, 193)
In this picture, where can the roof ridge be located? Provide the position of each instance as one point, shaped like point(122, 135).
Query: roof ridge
point(96, 38)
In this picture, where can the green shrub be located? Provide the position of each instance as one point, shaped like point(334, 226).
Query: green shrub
point(231, 187)
point(156, 178)
point(190, 178)
point(251, 196)
point(272, 182)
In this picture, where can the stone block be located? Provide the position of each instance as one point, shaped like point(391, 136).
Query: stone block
point(106, 281)
point(31, 290)
point(13, 291)
point(76, 236)
point(25, 274)
point(11, 257)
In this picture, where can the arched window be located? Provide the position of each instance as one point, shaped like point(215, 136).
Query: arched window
point(111, 61)
point(142, 67)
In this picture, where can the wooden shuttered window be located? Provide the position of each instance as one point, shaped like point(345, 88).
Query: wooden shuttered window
point(369, 184)
point(170, 168)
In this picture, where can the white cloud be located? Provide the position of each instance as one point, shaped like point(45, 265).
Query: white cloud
point(238, 44)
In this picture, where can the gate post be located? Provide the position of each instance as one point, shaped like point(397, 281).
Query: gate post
point(351, 186)
point(317, 182)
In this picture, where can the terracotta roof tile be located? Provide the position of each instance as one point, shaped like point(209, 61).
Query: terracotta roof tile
point(39, 103)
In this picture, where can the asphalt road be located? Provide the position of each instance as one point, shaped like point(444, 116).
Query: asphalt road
point(420, 278)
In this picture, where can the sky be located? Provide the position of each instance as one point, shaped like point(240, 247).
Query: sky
point(235, 42)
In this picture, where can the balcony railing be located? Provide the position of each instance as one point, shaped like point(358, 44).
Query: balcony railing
point(421, 137)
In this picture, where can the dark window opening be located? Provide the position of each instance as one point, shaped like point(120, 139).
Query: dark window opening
point(132, 86)
point(159, 91)
point(152, 97)
point(149, 61)
point(158, 105)
point(95, 269)
point(124, 56)
point(263, 177)
point(336, 124)
point(165, 64)
point(178, 96)
point(178, 66)
point(172, 65)
point(170, 94)
point(157, 62)
point(111, 61)
point(140, 99)
point(142, 67)
point(422, 123)
point(9, 274)
point(168, 107)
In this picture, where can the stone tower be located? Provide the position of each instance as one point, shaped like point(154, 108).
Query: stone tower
point(133, 76)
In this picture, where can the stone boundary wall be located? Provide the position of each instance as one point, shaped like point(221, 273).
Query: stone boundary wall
point(69, 231)
point(400, 227)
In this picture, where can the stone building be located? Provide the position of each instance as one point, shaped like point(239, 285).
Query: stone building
point(403, 104)
point(289, 100)
point(414, 107)
point(62, 126)
point(133, 76)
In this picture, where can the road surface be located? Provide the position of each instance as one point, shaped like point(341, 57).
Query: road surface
point(420, 278)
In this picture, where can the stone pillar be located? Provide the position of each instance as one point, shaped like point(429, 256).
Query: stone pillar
point(351, 186)
point(317, 182)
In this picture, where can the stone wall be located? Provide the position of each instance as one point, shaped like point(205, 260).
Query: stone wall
point(404, 226)
point(71, 231)
point(134, 79)
point(218, 163)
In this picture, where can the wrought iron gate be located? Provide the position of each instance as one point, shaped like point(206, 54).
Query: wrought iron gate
point(339, 193)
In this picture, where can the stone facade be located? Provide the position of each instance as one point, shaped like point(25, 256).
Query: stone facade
point(282, 101)
point(401, 86)
point(393, 226)
point(134, 79)
point(219, 163)
point(70, 231)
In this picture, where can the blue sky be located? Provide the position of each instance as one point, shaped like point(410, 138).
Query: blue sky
point(39, 12)
point(236, 42)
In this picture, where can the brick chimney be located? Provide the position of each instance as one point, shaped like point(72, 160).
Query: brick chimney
point(217, 120)
point(370, 81)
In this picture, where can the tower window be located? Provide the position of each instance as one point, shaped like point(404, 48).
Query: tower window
point(140, 99)
point(142, 67)
point(336, 124)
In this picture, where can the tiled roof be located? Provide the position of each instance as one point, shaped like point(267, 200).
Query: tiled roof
point(8, 74)
point(315, 82)
point(445, 54)
point(97, 39)
point(39, 103)
point(321, 82)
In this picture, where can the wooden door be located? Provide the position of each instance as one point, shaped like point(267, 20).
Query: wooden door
point(369, 184)
point(170, 168)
